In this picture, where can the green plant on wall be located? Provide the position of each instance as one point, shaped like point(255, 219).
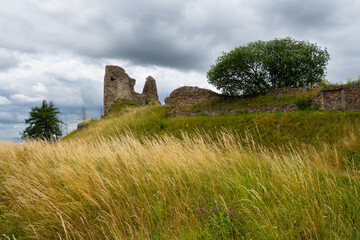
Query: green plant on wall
point(349, 81)
point(303, 104)
point(324, 82)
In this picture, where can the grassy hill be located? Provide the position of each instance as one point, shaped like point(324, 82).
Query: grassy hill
point(268, 129)
point(140, 173)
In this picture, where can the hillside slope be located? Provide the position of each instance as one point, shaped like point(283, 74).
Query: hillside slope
point(269, 129)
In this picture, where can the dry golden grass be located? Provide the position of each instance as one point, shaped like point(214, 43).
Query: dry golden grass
point(171, 188)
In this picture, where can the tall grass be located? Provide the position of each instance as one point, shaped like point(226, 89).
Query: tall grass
point(177, 188)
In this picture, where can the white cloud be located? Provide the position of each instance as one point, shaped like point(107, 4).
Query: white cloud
point(20, 117)
point(25, 99)
point(39, 88)
point(4, 116)
point(4, 100)
point(7, 59)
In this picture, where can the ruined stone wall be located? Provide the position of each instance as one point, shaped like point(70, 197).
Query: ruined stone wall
point(346, 98)
point(343, 98)
point(118, 85)
point(189, 96)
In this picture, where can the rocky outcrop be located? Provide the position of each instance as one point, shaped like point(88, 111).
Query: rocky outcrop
point(189, 96)
point(118, 85)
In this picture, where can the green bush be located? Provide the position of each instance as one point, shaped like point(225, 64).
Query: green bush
point(123, 104)
point(303, 104)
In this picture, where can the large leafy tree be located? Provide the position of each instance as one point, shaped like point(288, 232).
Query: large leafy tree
point(259, 66)
point(44, 122)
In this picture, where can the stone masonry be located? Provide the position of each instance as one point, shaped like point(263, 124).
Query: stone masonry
point(118, 85)
point(343, 98)
point(188, 96)
point(346, 98)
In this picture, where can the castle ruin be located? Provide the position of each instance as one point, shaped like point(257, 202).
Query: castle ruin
point(344, 98)
point(118, 85)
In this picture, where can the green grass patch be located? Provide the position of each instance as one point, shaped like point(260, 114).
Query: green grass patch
point(270, 129)
point(121, 105)
point(69, 136)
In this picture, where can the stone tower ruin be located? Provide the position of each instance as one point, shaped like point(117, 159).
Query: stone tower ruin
point(118, 85)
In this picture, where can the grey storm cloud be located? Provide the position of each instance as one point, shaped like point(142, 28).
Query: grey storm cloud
point(57, 50)
point(179, 34)
point(138, 31)
point(301, 14)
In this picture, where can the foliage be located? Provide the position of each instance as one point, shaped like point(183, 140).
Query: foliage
point(153, 102)
point(44, 122)
point(289, 61)
point(303, 104)
point(240, 71)
point(349, 81)
point(324, 82)
point(124, 103)
point(259, 66)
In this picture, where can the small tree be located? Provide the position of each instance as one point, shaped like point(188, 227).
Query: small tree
point(260, 66)
point(44, 122)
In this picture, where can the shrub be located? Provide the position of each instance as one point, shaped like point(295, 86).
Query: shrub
point(303, 104)
point(122, 104)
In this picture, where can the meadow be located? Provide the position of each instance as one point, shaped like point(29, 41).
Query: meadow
point(142, 174)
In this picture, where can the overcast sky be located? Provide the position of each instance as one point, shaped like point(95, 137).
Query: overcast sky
point(57, 50)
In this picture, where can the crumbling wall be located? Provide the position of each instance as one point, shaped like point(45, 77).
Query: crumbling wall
point(118, 85)
point(345, 98)
point(189, 96)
